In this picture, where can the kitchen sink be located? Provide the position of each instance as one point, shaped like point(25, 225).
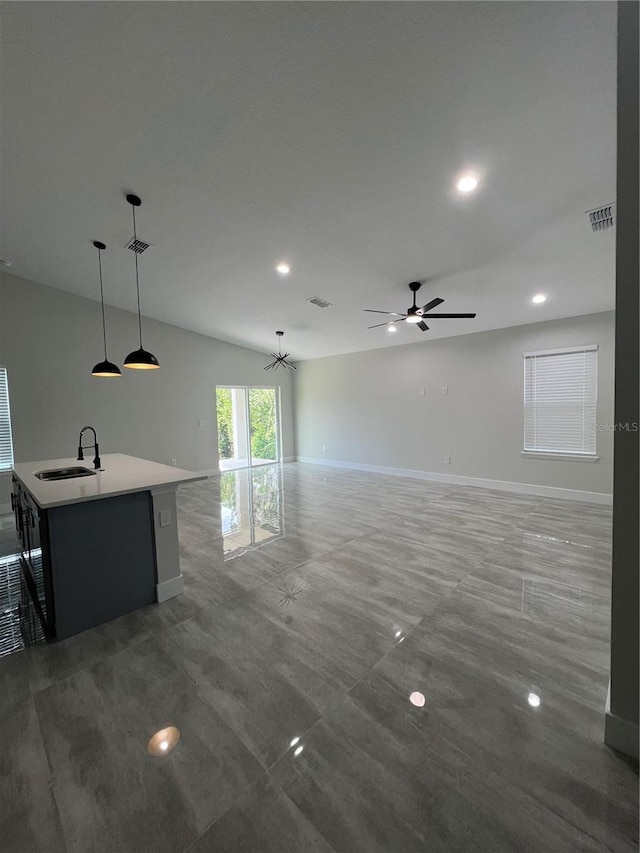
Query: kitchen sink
point(64, 473)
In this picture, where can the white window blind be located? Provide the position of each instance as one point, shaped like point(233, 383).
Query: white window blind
point(560, 391)
point(6, 444)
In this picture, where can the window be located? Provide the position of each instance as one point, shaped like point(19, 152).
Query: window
point(560, 390)
point(6, 444)
point(248, 426)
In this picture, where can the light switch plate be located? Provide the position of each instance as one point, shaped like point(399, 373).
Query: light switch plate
point(165, 517)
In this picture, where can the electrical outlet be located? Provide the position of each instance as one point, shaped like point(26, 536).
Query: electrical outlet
point(445, 391)
point(165, 517)
point(174, 461)
point(447, 460)
point(324, 448)
point(202, 422)
point(421, 392)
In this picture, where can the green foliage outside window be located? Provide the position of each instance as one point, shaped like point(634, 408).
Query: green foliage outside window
point(225, 423)
point(262, 408)
point(262, 414)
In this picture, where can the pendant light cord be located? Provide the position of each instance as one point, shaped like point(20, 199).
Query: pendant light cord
point(135, 237)
point(104, 325)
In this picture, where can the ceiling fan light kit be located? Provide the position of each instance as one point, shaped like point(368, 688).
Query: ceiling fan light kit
point(414, 315)
point(280, 359)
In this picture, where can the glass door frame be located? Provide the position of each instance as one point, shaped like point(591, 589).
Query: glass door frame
point(247, 417)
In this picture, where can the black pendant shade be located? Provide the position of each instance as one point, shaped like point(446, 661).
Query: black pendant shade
point(104, 368)
point(139, 359)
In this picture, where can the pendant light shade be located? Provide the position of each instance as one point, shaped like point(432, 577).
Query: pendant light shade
point(104, 368)
point(139, 359)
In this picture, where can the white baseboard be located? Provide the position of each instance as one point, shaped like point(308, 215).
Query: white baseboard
point(289, 459)
point(460, 480)
point(169, 589)
point(5, 509)
point(619, 733)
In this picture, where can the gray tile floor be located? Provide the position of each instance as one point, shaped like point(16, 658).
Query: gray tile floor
point(358, 663)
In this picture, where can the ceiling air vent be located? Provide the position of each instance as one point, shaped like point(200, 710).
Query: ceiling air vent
point(137, 245)
point(319, 303)
point(601, 218)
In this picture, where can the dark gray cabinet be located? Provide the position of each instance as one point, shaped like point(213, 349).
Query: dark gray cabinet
point(88, 562)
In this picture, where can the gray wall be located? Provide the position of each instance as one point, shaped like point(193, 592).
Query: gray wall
point(50, 340)
point(366, 408)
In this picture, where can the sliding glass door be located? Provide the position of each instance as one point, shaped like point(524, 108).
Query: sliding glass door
point(248, 426)
point(263, 425)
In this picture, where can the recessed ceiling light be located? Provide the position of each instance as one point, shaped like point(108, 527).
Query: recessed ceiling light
point(539, 298)
point(5, 263)
point(418, 699)
point(392, 328)
point(283, 269)
point(297, 751)
point(467, 183)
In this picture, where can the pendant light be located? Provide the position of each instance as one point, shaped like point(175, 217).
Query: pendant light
point(280, 360)
point(103, 368)
point(139, 359)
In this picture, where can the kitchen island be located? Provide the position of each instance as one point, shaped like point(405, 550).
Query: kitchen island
point(98, 545)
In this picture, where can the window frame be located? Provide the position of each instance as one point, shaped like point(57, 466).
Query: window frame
point(560, 454)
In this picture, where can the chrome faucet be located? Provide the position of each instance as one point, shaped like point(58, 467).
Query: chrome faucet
point(81, 447)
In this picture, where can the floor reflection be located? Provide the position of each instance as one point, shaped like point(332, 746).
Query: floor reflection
point(251, 508)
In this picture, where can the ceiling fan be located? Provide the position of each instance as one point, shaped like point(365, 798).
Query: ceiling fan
point(414, 314)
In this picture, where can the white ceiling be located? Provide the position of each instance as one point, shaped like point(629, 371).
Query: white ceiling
point(325, 134)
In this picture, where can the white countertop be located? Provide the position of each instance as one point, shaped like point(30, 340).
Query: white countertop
point(120, 475)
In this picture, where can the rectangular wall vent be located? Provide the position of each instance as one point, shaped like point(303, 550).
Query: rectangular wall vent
point(137, 245)
point(601, 218)
point(319, 303)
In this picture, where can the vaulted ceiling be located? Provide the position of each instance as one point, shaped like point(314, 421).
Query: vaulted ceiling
point(326, 135)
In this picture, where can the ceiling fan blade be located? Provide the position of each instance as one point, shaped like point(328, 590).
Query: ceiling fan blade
point(450, 316)
point(377, 326)
point(371, 311)
point(433, 304)
point(422, 326)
